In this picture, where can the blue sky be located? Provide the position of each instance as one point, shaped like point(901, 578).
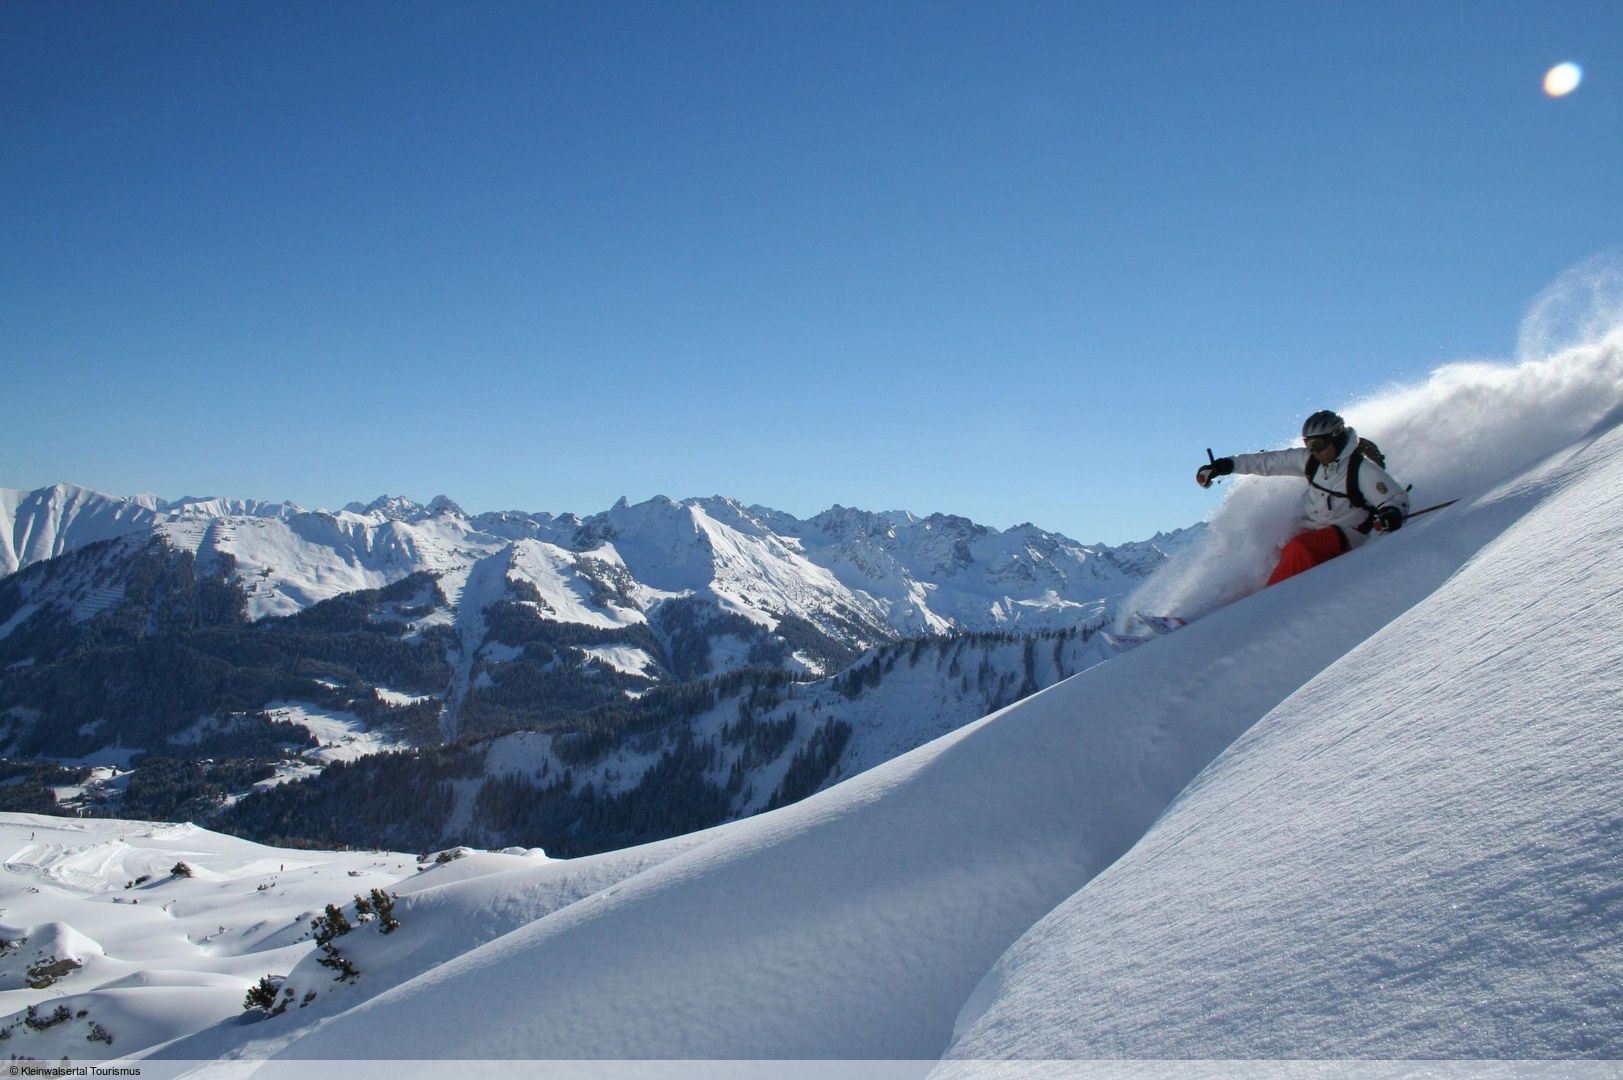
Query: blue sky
point(1017, 261)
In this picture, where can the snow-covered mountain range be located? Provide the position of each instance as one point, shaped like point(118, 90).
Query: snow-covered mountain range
point(655, 593)
point(883, 574)
point(269, 642)
point(1368, 813)
point(851, 578)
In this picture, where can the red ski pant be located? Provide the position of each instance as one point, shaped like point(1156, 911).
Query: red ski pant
point(1307, 550)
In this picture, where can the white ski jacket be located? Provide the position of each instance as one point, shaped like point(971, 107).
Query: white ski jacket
point(1326, 499)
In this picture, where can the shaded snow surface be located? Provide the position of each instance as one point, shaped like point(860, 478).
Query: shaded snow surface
point(1416, 855)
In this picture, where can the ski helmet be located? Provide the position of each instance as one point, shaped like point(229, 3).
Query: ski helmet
point(1324, 423)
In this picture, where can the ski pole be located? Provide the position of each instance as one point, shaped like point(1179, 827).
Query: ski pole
point(1429, 509)
point(1213, 460)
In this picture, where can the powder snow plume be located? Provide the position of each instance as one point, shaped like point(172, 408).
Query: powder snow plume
point(1457, 434)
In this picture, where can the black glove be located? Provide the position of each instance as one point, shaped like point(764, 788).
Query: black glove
point(1387, 519)
point(1207, 473)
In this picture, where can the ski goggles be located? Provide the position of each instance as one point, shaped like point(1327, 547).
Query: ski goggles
point(1316, 443)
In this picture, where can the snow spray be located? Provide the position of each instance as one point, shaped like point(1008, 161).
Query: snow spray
point(1458, 433)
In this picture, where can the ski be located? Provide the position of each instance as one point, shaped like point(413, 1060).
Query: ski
point(1142, 627)
point(1123, 642)
point(1161, 624)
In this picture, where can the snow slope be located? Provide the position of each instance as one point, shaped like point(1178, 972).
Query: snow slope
point(157, 956)
point(1416, 855)
point(42, 524)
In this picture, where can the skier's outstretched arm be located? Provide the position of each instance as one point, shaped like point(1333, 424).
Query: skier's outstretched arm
point(1265, 463)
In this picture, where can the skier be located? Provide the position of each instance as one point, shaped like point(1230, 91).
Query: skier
point(1349, 495)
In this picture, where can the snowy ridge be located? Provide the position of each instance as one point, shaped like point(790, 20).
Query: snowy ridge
point(934, 573)
point(566, 593)
point(39, 525)
point(646, 595)
point(289, 563)
point(715, 548)
point(42, 524)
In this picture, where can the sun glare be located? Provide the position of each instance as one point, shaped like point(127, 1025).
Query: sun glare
point(1563, 79)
